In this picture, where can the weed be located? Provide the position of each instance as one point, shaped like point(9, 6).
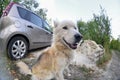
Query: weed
point(14, 70)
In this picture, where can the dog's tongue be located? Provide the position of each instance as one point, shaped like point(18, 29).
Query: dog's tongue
point(74, 46)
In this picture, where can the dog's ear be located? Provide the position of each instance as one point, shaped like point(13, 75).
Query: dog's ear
point(56, 23)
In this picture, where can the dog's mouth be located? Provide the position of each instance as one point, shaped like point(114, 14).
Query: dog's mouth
point(72, 46)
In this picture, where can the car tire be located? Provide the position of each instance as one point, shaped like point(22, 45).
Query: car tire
point(17, 48)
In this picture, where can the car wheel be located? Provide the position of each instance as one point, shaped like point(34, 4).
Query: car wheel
point(17, 48)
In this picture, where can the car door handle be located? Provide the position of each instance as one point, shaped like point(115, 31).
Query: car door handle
point(30, 26)
point(47, 33)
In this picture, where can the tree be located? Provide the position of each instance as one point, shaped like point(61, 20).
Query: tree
point(119, 37)
point(103, 25)
point(30, 4)
point(33, 5)
point(83, 28)
point(4, 3)
point(97, 29)
point(115, 44)
point(42, 13)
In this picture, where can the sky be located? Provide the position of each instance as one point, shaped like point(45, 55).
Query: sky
point(83, 10)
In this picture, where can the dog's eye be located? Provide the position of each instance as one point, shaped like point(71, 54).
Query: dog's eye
point(65, 27)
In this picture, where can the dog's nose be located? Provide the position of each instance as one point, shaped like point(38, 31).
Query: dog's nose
point(78, 37)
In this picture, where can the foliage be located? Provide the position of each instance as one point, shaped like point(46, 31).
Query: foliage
point(32, 5)
point(87, 72)
point(16, 73)
point(42, 13)
point(97, 29)
point(115, 44)
point(4, 3)
point(104, 59)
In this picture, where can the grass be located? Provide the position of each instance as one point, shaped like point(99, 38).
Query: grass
point(87, 72)
point(14, 70)
point(106, 57)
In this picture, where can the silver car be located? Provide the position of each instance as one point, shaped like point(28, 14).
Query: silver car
point(22, 30)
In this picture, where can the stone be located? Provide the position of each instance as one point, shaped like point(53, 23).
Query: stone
point(88, 53)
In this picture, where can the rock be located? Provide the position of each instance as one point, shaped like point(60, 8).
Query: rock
point(16, 79)
point(88, 53)
point(84, 66)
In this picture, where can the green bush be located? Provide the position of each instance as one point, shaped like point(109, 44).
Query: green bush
point(98, 30)
point(115, 44)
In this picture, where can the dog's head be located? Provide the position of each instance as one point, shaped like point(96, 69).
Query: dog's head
point(67, 33)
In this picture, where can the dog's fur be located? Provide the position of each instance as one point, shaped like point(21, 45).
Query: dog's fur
point(56, 58)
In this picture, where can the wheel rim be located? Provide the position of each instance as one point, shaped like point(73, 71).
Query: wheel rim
point(18, 49)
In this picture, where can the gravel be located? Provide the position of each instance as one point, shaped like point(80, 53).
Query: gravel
point(111, 71)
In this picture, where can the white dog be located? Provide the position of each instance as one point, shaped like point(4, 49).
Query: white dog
point(56, 58)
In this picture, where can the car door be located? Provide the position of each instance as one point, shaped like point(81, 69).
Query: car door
point(48, 31)
point(33, 27)
point(31, 23)
point(38, 33)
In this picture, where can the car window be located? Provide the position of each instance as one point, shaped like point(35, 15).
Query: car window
point(47, 27)
point(23, 13)
point(35, 19)
point(27, 15)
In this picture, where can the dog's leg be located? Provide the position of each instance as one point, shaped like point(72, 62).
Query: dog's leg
point(59, 76)
point(34, 77)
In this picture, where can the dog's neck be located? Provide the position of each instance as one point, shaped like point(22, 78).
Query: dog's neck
point(62, 48)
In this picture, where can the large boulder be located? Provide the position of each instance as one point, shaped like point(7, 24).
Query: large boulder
point(88, 53)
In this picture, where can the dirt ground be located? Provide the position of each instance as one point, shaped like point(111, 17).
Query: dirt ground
point(4, 68)
point(9, 71)
point(112, 71)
